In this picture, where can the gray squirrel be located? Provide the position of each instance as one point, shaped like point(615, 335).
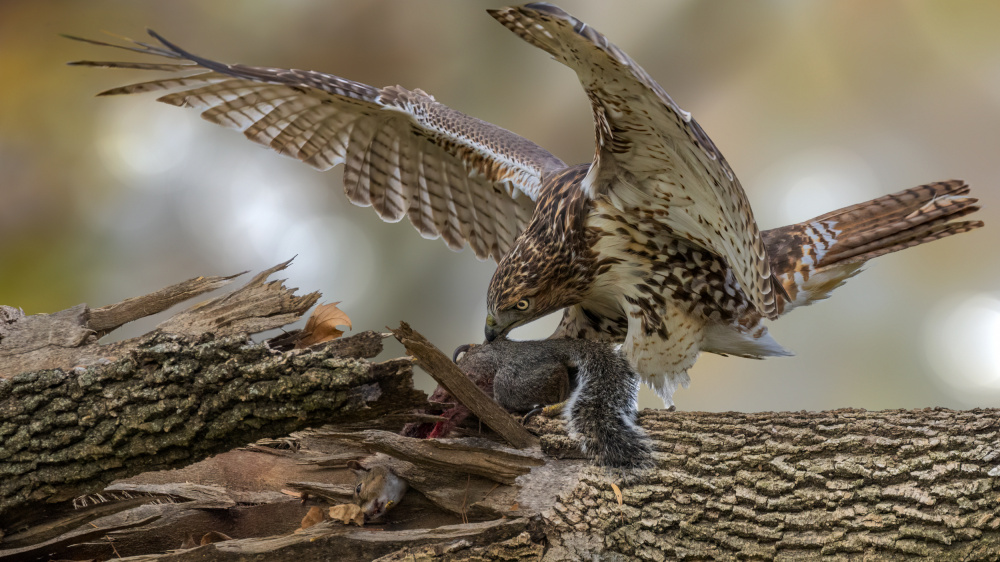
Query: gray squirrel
point(599, 387)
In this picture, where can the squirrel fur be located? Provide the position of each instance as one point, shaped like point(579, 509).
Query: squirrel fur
point(377, 490)
point(599, 387)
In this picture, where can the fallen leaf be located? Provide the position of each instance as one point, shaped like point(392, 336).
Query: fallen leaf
point(348, 513)
point(214, 536)
point(514, 507)
point(618, 494)
point(322, 325)
point(314, 516)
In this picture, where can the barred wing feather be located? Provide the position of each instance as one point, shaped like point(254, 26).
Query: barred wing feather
point(454, 176)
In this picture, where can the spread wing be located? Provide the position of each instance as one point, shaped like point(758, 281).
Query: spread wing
point(454, 176)
point(652, 157)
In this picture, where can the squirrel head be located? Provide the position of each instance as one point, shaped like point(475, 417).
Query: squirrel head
point(376, 490)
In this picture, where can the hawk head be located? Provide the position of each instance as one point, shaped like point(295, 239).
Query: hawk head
point(534, 279)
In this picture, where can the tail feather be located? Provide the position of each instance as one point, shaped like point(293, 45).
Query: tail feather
point(929, 234)
point(814, 257)
point(934, 218)
point(893, 206)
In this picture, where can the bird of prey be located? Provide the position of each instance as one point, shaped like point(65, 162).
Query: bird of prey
point(652, 245)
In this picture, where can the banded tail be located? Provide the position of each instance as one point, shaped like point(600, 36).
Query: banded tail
point(814, 257)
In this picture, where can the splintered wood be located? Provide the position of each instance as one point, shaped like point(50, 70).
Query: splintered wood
point(444, 371)
point(83, 414)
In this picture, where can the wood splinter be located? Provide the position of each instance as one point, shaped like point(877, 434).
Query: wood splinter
point(448, 375)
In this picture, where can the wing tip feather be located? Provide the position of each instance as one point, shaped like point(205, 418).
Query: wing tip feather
point(485, 246)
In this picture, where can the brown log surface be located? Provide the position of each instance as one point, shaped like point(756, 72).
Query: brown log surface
point(838, 485)
point(176, 395)
point(845, 484)
point(69, 338)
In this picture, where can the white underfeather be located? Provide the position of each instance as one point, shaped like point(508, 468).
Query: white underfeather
point(731, 340)
point(822, 283)
point(666, 385)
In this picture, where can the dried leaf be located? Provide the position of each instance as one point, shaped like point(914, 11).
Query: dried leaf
point(314, 516)
point(618, 494)
point(214, 536)
point(348, 513)
point(322, 325)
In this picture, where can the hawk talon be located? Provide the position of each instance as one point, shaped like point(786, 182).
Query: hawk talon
point(549, 411)
point(531, 413)
point(464, 348)
point(554, 410)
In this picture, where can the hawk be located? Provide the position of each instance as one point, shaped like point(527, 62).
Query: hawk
point(652, 245)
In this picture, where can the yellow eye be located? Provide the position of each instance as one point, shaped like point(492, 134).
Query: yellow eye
point(522, 304)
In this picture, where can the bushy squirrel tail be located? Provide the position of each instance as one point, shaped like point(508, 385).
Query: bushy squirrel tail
point(603, 407)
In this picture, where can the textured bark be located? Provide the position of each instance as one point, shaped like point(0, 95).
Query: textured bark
point(172, 403)
point(840, 485)
point(844, 485)
point(326, 542)
point(69, 337)
point(172, 397)
point(492, 463)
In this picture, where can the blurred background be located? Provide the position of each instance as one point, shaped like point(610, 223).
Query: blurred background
point(816, 105)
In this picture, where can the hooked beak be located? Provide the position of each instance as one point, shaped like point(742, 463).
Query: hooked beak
point(494, 330)
point(491, 328)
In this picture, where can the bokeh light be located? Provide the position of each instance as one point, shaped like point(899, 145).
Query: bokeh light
point(962, 339)
point(815, 181)
point(140, 143)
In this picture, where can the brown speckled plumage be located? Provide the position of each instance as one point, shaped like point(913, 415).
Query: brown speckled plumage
point(652, 245)
point(650, 151)
point(404, 154)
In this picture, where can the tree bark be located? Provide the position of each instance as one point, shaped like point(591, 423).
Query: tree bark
point(175, 396)
point(839, 485)
point(846, 484)
point(172, 403)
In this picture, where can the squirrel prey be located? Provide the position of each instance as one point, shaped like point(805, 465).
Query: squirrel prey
point(597, 385)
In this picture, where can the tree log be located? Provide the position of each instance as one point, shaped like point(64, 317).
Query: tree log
point(839, 485)
point(845, 485)
point(175, 396)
